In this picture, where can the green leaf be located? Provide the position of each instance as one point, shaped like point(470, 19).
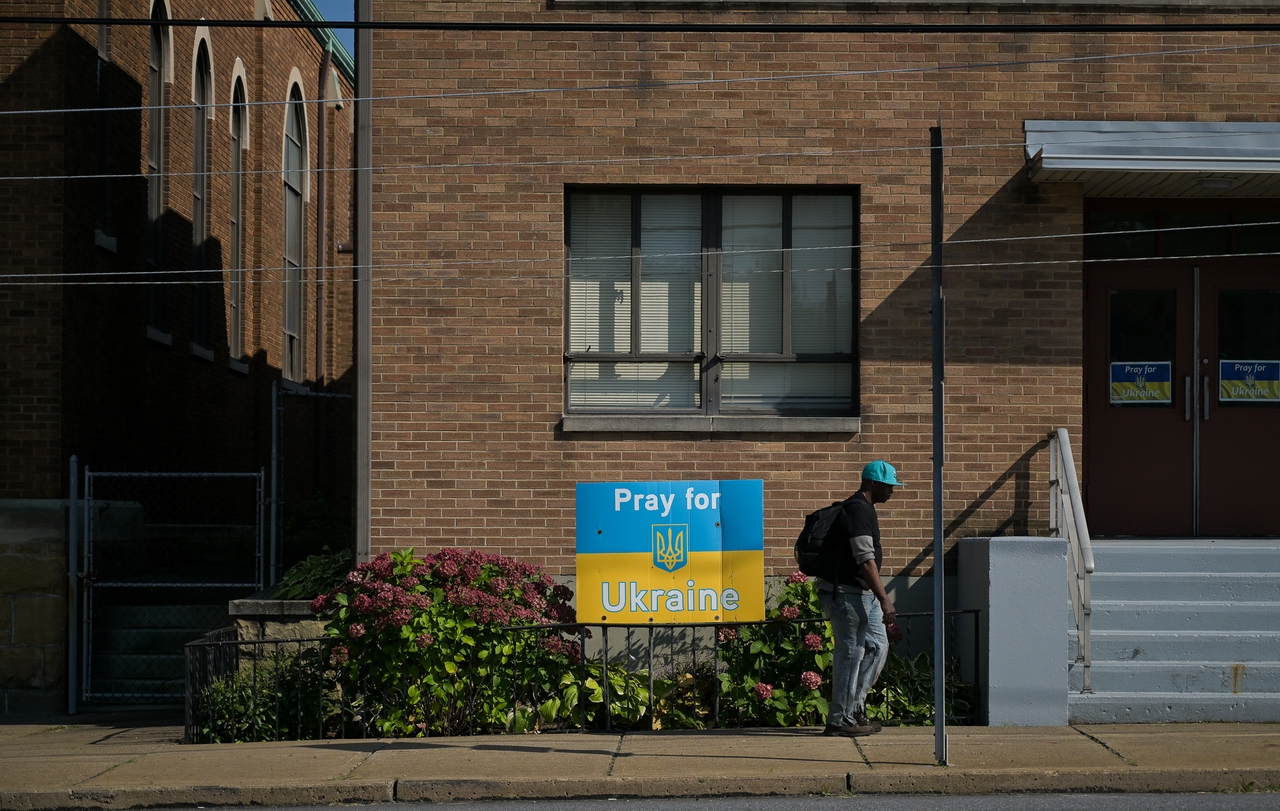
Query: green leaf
point(549, 710)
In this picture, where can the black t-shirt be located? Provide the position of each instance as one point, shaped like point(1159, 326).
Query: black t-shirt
point(858, 519)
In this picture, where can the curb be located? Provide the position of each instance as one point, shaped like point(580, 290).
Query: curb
point(939, 781)
point(331, 793)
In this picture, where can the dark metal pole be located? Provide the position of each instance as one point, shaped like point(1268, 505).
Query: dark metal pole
point(73, 585)
point(939, 363)
point(275, 482)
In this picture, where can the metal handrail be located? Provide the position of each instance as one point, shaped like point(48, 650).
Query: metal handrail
point(1067, 520)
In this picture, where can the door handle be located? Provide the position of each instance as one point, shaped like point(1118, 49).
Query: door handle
point(1186, 404)
point(1204, 413)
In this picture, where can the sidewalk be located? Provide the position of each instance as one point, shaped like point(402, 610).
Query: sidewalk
point(134, 762)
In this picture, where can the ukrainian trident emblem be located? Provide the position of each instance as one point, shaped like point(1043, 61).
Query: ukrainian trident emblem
point(670, 546)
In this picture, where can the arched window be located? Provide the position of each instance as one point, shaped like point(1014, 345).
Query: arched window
point(294, 211)
point(202, 96)
point(239, 131)
point(158, 116)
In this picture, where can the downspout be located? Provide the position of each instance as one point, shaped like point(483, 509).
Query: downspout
point(326, 64)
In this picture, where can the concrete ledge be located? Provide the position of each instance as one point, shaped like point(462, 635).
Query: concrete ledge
point(250, 607)
point(698, 424)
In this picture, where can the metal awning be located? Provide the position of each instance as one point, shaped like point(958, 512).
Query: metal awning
point(1157, 159)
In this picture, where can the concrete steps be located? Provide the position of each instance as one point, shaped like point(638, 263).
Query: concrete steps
point(1181, 646)
point(1182, 677)
point(1155, 708)
point(1183, 630)
point(137, 650)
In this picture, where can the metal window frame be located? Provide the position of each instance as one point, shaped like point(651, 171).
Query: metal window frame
point(712, 360)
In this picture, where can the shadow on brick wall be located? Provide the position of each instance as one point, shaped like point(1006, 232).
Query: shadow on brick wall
point(1014, 300)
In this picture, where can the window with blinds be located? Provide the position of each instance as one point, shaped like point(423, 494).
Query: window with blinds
point(711, 301)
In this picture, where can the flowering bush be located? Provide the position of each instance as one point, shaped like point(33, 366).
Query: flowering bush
point(771, 674)
point(420, 640)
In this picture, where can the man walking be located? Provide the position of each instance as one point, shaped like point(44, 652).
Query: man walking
point(856, 604)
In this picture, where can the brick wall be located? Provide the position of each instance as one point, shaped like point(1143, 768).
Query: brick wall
point(32, 213)
point(80, 374)
point(468, 311)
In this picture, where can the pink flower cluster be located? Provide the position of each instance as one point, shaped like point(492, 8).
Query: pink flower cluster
point(790, 612)
point(381, 597)
point(567, 648)
point(810, 680)
point(497, 589)
point(376, 597)
point(726, 634)
point(763, 691)
point(797, 577)
point(812, 642)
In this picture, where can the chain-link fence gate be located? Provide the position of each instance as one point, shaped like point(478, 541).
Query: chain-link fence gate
point(163, 555)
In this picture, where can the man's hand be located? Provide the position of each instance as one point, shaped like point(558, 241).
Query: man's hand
point(890, 613)
point(871, 576)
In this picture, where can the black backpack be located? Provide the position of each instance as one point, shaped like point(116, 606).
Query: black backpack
point(812, 557)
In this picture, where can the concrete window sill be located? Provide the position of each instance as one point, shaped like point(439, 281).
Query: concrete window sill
point(159, 337)
point(103, 241)
point(204, 353)
point(698, 424)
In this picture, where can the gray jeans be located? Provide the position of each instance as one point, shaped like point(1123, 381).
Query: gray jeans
point(861, 648)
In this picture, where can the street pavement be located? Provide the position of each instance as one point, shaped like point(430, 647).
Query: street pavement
point(139, 761)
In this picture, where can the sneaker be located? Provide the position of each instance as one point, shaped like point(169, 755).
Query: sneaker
point(848, 730)
point(860, 718)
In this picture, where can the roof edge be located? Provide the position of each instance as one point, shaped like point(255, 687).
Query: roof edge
point(309, 13)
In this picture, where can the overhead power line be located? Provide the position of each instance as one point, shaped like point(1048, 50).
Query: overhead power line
point(213, 276)
point(594, 26)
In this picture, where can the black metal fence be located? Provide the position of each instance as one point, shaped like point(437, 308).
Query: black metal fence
point(163, 554)
point(612, 676)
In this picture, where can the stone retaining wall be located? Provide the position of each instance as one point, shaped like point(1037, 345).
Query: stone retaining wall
point(33, 606)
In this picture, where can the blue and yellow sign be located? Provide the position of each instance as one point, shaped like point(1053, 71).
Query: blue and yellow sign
point(670, 552)
point(1249, 381)
point(1140, 382)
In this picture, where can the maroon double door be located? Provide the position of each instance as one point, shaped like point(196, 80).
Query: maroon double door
point(1182, 399)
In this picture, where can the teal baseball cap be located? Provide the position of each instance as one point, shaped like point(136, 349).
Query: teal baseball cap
point(881, 471)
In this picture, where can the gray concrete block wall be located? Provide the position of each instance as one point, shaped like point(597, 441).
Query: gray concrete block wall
point(33, 606)
point(1020, 585)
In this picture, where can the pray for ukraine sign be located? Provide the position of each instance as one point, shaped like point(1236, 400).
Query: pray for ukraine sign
point(670, 552)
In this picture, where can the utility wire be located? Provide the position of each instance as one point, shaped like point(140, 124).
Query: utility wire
point(439, 264)
point(1151, 140)
point(592, 26)
point(170, 277)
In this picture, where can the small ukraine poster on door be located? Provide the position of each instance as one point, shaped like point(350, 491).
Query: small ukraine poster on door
point(670, 552)
point(1148, 382)
point(1249, 381)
